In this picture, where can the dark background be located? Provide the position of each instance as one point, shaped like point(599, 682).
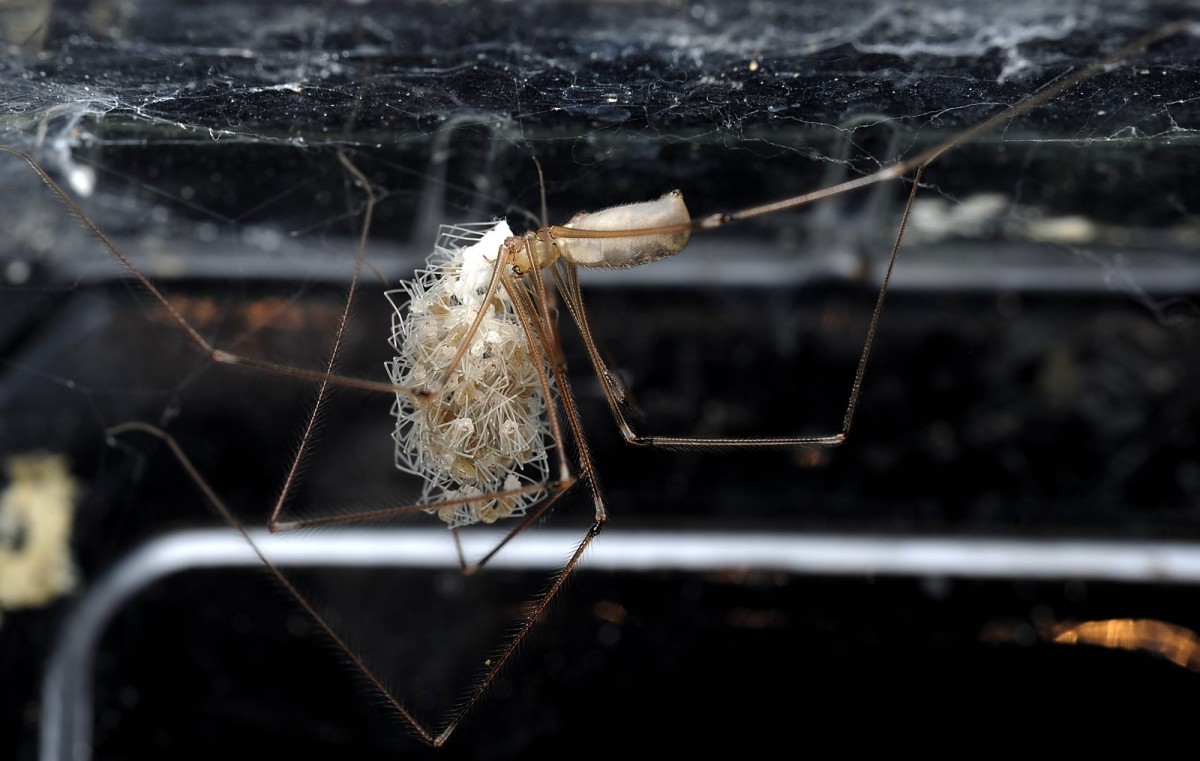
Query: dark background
point(1026, 383)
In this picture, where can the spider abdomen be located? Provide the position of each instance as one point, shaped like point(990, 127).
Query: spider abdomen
point(630, 250)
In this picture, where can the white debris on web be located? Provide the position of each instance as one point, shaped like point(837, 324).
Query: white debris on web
point(37, 509)
point(487, 430)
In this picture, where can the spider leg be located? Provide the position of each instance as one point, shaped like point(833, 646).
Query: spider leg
point(539, 335)
point(314, 615)
point(614, 393)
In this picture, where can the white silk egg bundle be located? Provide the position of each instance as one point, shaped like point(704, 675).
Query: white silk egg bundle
point(486, 431)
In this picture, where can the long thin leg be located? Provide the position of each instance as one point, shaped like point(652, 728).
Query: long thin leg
point(218, 356)
point(526, 310)
point(538, 336)
point(568, 281)
point(545, 336)
point(503, 259)
point(540, 333)
point(574, 300)
point(493, 665)
point(360, 665)
point(542, 336)
point(538, 607)
point(470, 568)
point(273, 523)
point(324, 379)
point(553, 489)
point(900, 168)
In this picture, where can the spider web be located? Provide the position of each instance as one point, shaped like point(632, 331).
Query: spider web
point(203, 139)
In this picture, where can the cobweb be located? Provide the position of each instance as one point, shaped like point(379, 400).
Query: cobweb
point(1047, 288)
point(203, 139)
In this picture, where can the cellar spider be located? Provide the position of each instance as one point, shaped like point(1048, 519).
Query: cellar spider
point(525, 300)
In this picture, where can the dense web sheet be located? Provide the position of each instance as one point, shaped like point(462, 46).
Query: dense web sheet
point(577, 86)
point(1036, 374)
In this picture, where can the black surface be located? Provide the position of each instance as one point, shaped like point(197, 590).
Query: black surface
point(1022, 386)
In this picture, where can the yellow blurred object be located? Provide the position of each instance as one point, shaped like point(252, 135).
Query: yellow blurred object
point(1179, 645)
point(36, 512)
